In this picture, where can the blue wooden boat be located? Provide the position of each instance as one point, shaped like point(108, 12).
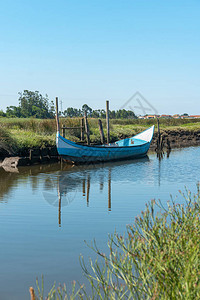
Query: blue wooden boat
point(134, 147)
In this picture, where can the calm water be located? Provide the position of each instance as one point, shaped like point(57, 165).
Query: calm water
point(47, 212)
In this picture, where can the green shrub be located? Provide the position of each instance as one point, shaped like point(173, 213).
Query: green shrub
point(158, 258)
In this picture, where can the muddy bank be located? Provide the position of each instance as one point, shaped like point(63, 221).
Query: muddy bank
point(28, 157)
point(177, 138)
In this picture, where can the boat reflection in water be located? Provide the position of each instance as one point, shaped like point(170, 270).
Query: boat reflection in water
point(70, 181)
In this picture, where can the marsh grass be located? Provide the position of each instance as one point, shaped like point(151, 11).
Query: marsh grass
point(157, 258)
point(29, 139)
point(30, 132)
point(49, 125)
point(7, 143)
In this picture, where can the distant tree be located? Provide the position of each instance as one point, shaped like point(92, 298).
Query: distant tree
point(71, 112)
point(33, 104)
point(131, 114)
point(52, 108)
point(87, 109)
point(112, 114)
point(95, 114)
point(2, 113)
point(13, 112)
point(103, 113)
point(125, 114)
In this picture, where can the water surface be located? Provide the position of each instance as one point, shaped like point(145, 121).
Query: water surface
point(46, 212)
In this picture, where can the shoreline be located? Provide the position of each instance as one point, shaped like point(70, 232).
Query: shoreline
point(177, 138)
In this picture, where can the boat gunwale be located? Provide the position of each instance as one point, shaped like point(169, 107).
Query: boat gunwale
point(101, 146)
point(106, 146)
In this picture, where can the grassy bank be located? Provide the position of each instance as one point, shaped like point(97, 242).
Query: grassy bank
point(28, 133)
point(157, 258)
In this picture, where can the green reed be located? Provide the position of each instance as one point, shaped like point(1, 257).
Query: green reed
point(49, 125)
point(28, 133)
point(157, 258)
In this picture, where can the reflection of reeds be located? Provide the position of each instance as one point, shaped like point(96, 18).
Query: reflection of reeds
point(158, 258)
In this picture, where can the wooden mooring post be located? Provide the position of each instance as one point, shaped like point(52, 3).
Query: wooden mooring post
point(82, 129)
point(101, 131)
point(158, 134)
point(160, 143)
point(87, 128)
point(57, 116)
point(107, 121)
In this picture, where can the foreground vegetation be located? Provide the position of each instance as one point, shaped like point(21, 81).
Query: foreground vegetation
point(18, 133)
point(158, 258)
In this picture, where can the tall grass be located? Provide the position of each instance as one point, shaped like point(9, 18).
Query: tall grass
point(49, 125)
point(157, 258)
point(30, 132)
point(7, 143)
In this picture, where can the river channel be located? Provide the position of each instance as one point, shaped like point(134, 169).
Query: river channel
point(47, 211)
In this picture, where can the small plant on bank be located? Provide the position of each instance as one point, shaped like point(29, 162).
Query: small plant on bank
point(158, 258)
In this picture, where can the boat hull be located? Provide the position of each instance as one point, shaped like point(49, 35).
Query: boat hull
point(124, 149)
point(88, 159)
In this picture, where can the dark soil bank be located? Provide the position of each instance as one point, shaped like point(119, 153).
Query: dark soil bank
point(178, 138)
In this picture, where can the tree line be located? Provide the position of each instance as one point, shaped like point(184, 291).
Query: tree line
point(33, 104)
point(71, 112)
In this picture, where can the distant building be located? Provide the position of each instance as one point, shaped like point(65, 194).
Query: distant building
point(166, 116)
point(151, 116)
point(176, 116)
point(194, 117)
point(184, 116)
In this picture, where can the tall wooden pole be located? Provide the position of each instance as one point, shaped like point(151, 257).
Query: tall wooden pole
point(82, 129)
point(87, 129)
point(107, 121)
point(101, 131)
point(158, 141)
point(57, 117)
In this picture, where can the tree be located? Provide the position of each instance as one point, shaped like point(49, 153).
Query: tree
point(33, 104)
point(71, 112)
point(13, 111)
point(95, 114)
point(87, 109)
point(2, 113)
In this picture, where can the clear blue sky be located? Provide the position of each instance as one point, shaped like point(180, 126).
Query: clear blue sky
point(90, 51)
